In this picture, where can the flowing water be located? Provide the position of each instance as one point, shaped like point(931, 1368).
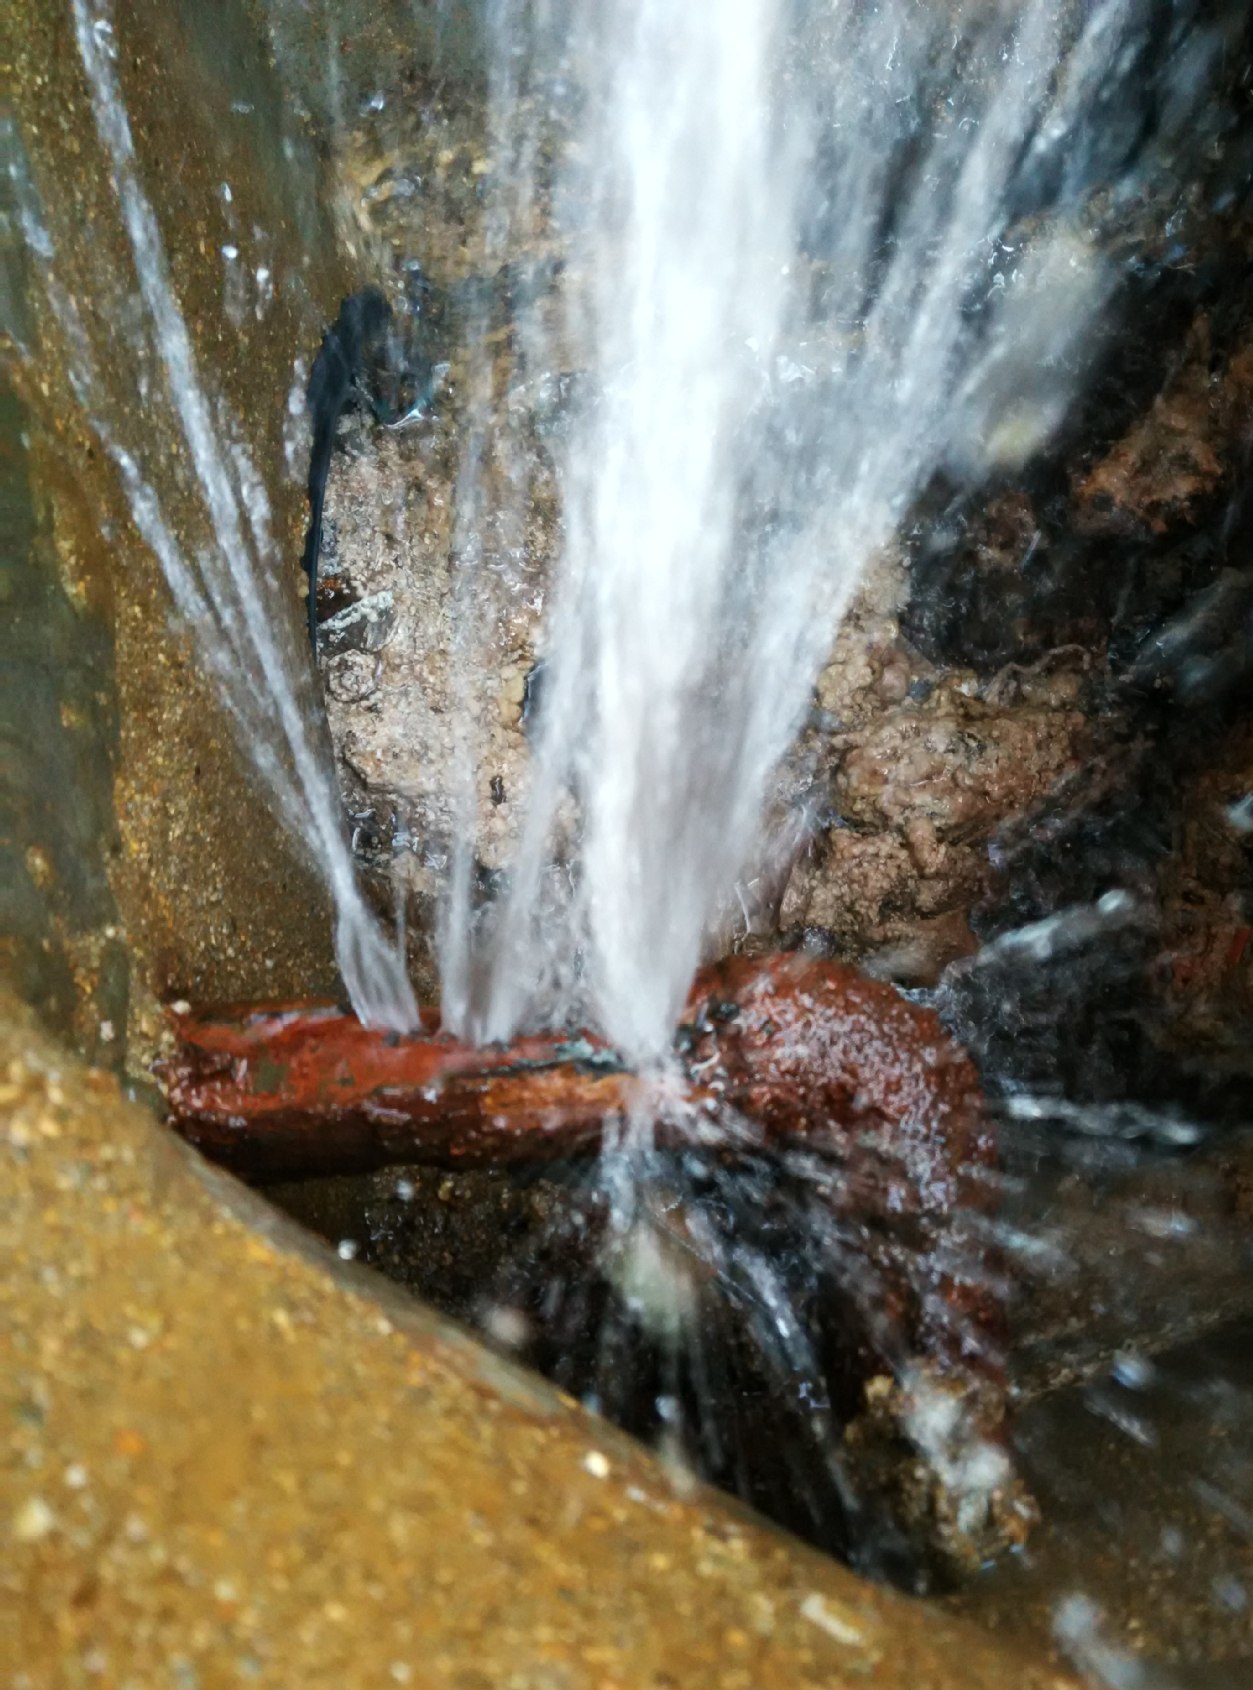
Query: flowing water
point(798, 263)
point(809, 258)
point(813, 255)
point(226, 587)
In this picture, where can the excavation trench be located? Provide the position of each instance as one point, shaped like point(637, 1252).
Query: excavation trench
point(1017, 796)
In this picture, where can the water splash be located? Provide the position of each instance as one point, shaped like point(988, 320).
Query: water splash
point(911, 250)
point(809, 258)
point(814, 257)
point(228, 591)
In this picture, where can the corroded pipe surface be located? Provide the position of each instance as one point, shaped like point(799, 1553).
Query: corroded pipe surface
point(809, 1084)
point(803, 1049)
point(286, 1091)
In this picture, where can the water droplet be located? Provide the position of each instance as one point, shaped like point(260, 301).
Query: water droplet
point(1132, 1370)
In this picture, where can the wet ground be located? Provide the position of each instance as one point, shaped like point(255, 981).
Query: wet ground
point(1141, 1465)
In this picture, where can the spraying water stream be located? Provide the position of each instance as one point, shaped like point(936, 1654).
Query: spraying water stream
point(814, 257)
point(228, 589)
point(807, 259)
point(775, 272)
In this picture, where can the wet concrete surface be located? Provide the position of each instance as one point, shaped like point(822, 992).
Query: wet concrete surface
point(231, 171)
point(229, 1459)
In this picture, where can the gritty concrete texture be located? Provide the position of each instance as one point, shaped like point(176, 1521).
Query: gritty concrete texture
point(228, 170)
point(228, 1459)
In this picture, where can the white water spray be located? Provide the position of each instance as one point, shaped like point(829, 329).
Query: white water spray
point(229, 592)
point(816, 256)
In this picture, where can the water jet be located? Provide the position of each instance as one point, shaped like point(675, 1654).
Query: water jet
point(1004, 783)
